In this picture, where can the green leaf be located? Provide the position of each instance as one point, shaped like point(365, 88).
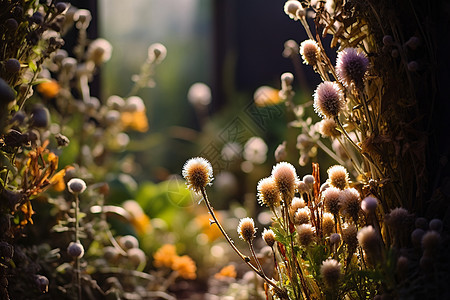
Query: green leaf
point(32, 66)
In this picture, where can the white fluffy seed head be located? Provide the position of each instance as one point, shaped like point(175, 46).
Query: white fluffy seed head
point(198, 173)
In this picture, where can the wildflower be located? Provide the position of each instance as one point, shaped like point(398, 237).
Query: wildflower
point(268, 193)
point(338, 176)
point(331, 200)
point(75, 250)
point(157, 52)
point(350, 202)
point(285, 178)
point(291, 7)
point(226, 272)
point(327, 223)
point(164, 256)
point(370, 242)
point(305, 234)
point(76, 186)
point(198, 173)
point(328, 99)
point(134, 114)
point(199, 94)
point(267, 96)
point(330, 270)
point(369, 204)
point(349, 236)
point(99, 51)
point(128, 242)
point(136, 256)
point(301, 216)
point(327, 128)
point(351, 66)
point(402, 265)
point(296, 204)
point(204, 222)
point(310, 52)
point(83, 17)
point(309, 181)
point(388, 40)
point(269, 237)
point(246, 229)
point(185, 266)
point(255, 150)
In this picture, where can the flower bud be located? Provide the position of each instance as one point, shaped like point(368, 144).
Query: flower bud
point(76, 186)
point(246, 229)
point(75, 250)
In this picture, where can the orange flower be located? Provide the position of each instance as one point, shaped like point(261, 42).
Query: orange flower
point(48, 89)
point(210, 230)
point(226, 272)
point(165, 256)
point(185, 266)
point(136, 120)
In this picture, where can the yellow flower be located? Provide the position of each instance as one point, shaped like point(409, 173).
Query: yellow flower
point(48, 89)
point(185, 266)
point(165, 256)
point(226, 272)
point(135, 120)
point(211, 231)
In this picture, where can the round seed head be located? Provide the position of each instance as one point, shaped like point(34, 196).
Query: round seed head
point(327, 223)
point(301, 216)
point(269, 237)
point(310, 52)
point(76, 186)
point(328, 99)
point(99, 51)
point(291, 7)
point(349, 236)
point(6, 93)
point(128, 242)
point(331, 200)
point(302, 187)
point(198, 173)
point(12, 65)
point(335, 238)
point(199, 94)
point(369, 204)
point(324, 186)
point(296, 204)
point(351, 67)
point(398, 218)
point(136, 256)
point(286, 180)
point(338, 176)
point(350, 202)
point(330, 270)
point(309, 181)
point(327, 128)
point(368, 239)
point(42, 283)
point(75, 250)
point(246, 229)
point(157, 52)
point(268, 193)
point(305, 234)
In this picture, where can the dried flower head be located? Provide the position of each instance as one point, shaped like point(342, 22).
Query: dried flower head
point(185, 267)
point(76, 186)
point(99, 51)
point(305, 234)
point(310, 52)
point(331, 200)
point(246, 229)
point(338, 176)
point(327, 128)
point(327, 223)
point(302, 187)
point(369, 240)
point(349, 236)
point(198, 173)
point(296, 204)
point(285, 178)
point(301, 216)
point(330, 270)
point(335, 238)
point(369, 204)
point(157, 52)
point(350, 202)
point(351, 66)
point(269, 237)
point(291, 7)
point(268, 193)
point(328, 99)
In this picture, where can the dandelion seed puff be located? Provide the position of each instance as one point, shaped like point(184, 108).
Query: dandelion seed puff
point(331, 200)
point(327, 128)
point(310, 52)
point(328, 99)
point(350, 202)
point(369, 204)
point(330, 270)
point(327, 223)
point(198, 173)
point(351, 66)
point(291, 7)
point(305, 234)
point(269, 237)
point(301, 216)
point(268, 193)
point(338, 176)
point(246, 229)
point(76, 186)
point(286, 180)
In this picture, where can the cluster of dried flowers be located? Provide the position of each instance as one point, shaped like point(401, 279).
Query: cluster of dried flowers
point(343, 239)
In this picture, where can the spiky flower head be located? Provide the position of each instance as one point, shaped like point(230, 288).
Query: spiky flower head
point(350, 202)
point(328, 99)
point(76, 186)
point(198, 173)
point(268, 193)
point(331, 200)
point(296, 204)
point(246, 229)
point(286, 180)
point(368, 239)
point(305, 234)
point(330, 270)
point(301, 216)
point(349, 236)
point(338, 176)
point(327, 128)
point(269, 237)
point(327, 223)
point(351, 66)
point(310, 52)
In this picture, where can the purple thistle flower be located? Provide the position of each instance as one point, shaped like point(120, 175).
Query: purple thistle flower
point(328, 99)
point(351, 66)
